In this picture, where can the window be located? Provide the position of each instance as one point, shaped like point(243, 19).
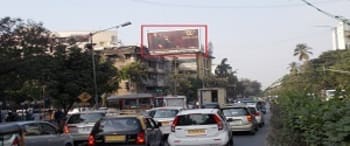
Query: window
point(47, 129)
point(152, 124)
point(120, 124)
point(196, 119)
point(234, 112)
point(32, 129)
point(165, 113)
point(145, 101)
point(86, 117)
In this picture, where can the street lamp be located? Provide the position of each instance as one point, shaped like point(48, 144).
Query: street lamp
point(93, 55)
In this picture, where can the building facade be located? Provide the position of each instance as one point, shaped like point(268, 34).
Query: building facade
point(341, 36)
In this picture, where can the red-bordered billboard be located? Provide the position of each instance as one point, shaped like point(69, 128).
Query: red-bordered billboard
point(174, 40)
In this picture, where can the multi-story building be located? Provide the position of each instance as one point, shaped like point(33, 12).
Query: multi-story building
point(156, 69)
point(341, 36)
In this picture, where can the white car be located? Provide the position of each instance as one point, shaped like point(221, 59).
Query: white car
point(258, 115)
point(200, 127)
point(165, 116)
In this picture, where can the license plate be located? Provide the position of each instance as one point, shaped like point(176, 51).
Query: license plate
point(115, 138)
point(195, 132)
point(165, 123)
point(236, 122)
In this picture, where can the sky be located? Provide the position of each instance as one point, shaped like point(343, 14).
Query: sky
point(257, 36)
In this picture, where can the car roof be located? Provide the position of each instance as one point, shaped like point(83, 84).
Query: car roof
point(198, 111)
point(9, 128)
point(167, 107)
point(89, 111)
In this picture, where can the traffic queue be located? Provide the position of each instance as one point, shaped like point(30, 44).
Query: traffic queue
point(171, 124)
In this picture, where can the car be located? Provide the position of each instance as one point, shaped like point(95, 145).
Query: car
point(80, 124)
point(165, 116)
point(126, 130)
point(33, 133)
point(11, 135)
point(257, 114)
point(211, 105)
point(198, 127)
point(240, 118)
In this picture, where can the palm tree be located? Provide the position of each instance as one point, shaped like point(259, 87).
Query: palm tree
point(302, 51)
point(223, 69)
point(293, 68)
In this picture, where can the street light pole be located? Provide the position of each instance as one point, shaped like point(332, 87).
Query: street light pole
point(93, 58)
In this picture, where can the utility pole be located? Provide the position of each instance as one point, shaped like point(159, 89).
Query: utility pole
point(175, 75)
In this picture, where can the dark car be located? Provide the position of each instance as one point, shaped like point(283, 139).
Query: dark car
point(125, 130)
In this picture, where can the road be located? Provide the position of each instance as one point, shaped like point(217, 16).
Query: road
point(259, 139)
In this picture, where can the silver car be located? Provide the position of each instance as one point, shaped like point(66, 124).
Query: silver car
point(165, 116)
point(259, 116)
point(34, 133)
point(240, 118)
point(80, 124)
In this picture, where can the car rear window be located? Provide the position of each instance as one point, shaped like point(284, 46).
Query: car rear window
point(196, 119)
point(85, 118)
point(165, 113)
point(120, 125)
point(235, 112)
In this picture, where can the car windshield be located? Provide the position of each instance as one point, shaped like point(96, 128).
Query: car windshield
point(119, 125)
point(165, 113)
point(85, 118)
point(196, 119)
point(234, 112)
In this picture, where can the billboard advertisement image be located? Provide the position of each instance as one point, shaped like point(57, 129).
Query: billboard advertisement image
point(180, 39)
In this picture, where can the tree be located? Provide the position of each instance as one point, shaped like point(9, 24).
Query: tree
point(302, 51)
point(71, 74)
point(248, 88)
point(223, 69)
point(23, 45)
point(293, 68)
point(135, 72)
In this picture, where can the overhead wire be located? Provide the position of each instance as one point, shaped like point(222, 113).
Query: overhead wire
point(337, 17)
point(167, 4)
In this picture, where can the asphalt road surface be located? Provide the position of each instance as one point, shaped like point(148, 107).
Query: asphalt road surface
point(259, 139)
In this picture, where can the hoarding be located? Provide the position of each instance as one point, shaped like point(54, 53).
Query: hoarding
point(170, 40)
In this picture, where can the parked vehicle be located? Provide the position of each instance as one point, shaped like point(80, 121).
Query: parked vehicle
point(11, 135)
point(80, 124)
point(211, 105)
point(240, 118)
point(165, 116)
point(200, 127)
point(33, 133)
point(125, 130)
point(258, 115)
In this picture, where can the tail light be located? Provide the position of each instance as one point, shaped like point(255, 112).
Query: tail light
point(218, 122)
point(15, 142)
point(249, 118)
point(173, 125)
point(140, 138)
point(91, 140)
point(66, 129)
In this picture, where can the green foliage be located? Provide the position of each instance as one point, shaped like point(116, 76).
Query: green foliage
point(301, 116)
point(31, 60)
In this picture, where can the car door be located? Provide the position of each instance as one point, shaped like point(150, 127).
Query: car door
point(150, 132)
point(52, 135)
point(157, 132)
point(33, 136)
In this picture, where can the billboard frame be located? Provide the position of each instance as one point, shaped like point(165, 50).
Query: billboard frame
point(143, 26)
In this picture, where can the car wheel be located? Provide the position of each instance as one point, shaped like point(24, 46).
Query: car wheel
point(253, 131)
point(68, 144)
point(230, 142)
